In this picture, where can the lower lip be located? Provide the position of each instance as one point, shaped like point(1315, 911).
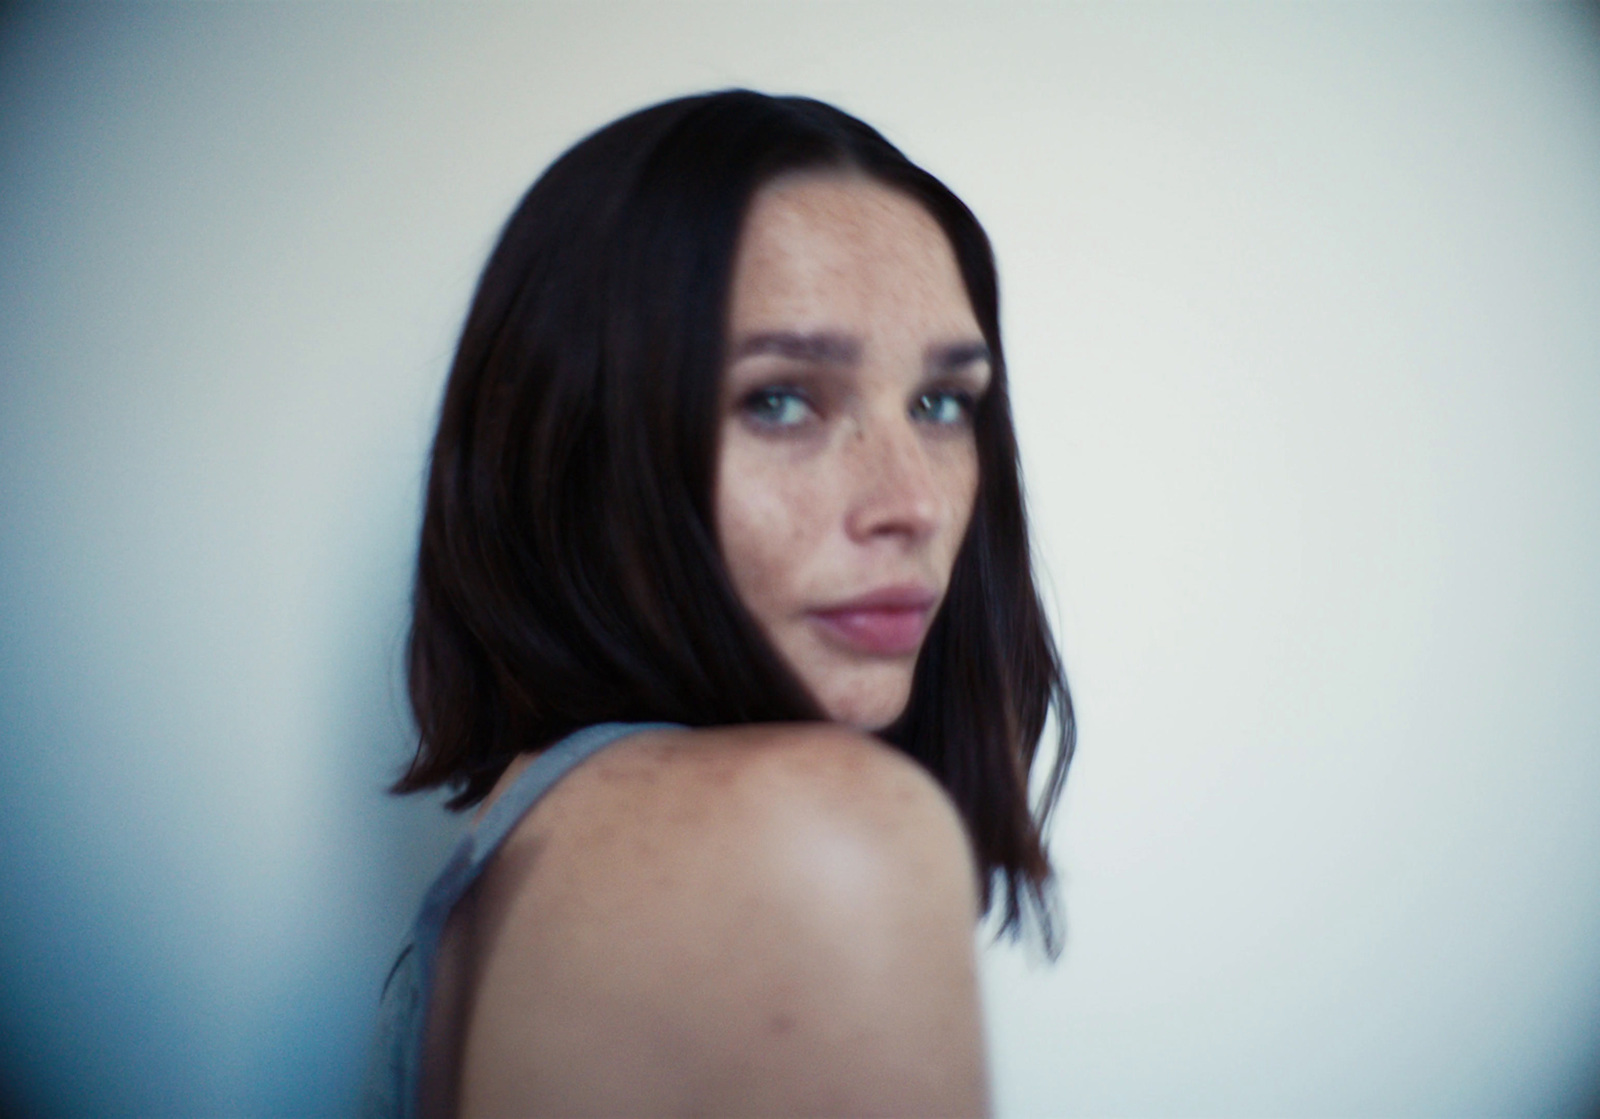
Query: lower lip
point(879, 632)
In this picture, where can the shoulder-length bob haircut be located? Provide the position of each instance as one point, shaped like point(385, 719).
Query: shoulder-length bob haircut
point(569, 571)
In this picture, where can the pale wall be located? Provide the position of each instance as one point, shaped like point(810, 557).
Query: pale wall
point(1302, 312)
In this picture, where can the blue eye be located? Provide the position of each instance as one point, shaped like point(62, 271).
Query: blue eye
point(777, 408)
point(943, 408)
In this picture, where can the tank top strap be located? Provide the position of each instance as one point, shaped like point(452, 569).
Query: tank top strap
point(537, 779)
point(479, 844)
point(396, 1067)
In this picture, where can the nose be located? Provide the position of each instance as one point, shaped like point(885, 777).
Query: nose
point(894, 489)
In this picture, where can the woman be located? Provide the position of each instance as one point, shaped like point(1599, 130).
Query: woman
point(724, 506)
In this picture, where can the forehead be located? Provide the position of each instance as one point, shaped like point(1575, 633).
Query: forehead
point(843, 247)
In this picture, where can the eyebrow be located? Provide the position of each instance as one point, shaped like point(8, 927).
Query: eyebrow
point(948, 359)
point(822, 348)
point(828, 348)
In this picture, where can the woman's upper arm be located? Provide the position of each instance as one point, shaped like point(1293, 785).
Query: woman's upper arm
point(754, 920)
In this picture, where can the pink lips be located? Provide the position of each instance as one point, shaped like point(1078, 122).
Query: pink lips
point(886, 622)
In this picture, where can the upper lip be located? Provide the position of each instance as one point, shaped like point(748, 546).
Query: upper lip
point(900, 596)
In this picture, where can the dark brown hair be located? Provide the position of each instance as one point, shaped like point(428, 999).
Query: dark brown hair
point(569, 572)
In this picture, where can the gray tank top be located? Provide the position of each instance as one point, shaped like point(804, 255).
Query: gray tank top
point(394, 1071)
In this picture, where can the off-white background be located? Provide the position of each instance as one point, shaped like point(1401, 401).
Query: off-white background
point(1303, 308)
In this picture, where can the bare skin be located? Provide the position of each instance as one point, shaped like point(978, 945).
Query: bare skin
point(848, 465)
point(766, 920)
point(750, 921)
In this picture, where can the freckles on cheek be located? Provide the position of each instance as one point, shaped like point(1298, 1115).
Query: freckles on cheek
point(762, 538)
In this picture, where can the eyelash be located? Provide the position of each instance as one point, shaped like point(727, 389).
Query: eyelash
point(763, 404)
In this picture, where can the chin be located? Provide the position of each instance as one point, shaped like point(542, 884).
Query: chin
point(868, 712)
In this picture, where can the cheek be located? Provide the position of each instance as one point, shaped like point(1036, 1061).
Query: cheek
point(767, 528)
point(959, 481)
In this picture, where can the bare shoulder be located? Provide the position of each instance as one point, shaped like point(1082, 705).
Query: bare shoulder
point(759, 919)
point(680, 807)
point(763, 782)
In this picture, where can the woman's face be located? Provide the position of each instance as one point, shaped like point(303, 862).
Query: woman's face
point(847, 468)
